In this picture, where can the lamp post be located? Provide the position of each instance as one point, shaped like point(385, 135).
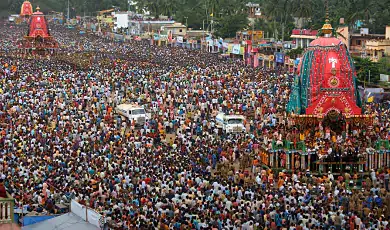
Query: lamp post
point(186, 21)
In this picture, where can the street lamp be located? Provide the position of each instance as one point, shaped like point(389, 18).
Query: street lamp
point(186, 21)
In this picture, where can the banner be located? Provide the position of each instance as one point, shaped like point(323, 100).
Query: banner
point(78, 209)
point(179, 39)
point(236, 49)
point(242, 50)
point(296, 63)
point(119, 37)
point(256, 60)
point(225, 45)
point(163, 37)
point(230, 48)
point(220, 43)
point(279, 57)
point(95, 218)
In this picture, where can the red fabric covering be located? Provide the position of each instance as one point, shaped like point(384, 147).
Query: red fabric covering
point(38, 26)
point(322, 41)
point(26, 9)
point(331, 79)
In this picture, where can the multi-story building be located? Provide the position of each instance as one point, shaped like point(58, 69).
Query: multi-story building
point(362, 43)
point(176, 29)
point(139, 26)
point(303, 37)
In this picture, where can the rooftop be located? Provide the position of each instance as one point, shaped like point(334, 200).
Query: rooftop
point(368, 35)
point(176, 25)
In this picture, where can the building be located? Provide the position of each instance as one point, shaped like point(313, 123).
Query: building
point(358, 42)
point(254, 10)
point(139, 25)
point(197, 33)
point(376, 49)
point(363, 44)
point(303, 37)
point(176, 29)
point(121, 20)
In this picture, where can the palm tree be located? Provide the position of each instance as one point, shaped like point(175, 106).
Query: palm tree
point(303, 8)
point(273, 11)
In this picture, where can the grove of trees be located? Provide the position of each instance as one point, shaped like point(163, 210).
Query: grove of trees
point(230, 15)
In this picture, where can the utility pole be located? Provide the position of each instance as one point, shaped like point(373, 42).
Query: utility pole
point(68, 10)
point(283, 37)
point(253, 43)
point(211, 25)
point(128, 17)
point(369, 76)
point(201, 45)
point(86, 210)
point(253, 32)
point(207, 16)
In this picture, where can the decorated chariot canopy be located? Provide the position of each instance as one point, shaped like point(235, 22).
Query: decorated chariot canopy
point(38, 26)
point(38, 36)
point(26, 9)
point(325, 83)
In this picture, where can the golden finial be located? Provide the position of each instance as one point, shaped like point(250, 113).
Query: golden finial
point(327, 27)
point(38, 8)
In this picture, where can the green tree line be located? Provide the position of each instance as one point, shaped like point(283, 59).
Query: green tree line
point(228, 16)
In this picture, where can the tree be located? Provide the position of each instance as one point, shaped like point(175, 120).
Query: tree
point(229, 25)
point(264, 25)
point(279, 14)
point(366, 70)
point(384, 65)
point(294, 53)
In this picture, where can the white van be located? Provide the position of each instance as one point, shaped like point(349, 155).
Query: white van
point(230, 123)
point(132, 112)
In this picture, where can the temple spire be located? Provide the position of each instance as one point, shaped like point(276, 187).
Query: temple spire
point(327, 27)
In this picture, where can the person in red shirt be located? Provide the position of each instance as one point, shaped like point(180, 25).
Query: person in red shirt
point(3, 191)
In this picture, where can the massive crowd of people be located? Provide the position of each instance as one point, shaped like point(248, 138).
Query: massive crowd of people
point(60, 140)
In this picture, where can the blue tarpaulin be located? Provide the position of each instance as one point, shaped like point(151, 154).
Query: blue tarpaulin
point(28, 220)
